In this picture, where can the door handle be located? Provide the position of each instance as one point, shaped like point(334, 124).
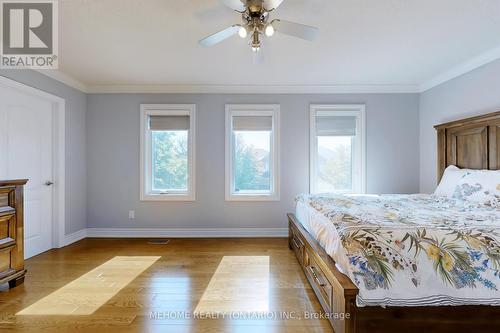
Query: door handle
point(48, 183)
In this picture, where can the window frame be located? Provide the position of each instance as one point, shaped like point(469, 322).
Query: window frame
point(264, 110)
point(146, 193)
point(359, 156)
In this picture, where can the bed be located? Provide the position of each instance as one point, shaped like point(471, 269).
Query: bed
point(408, 262)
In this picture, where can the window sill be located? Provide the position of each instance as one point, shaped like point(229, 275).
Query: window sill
point(252, 197)
point(167, 197)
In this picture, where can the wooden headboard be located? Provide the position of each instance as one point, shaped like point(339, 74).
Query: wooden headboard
point(472, 143)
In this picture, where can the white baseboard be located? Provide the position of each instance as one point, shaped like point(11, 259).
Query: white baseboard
point(186, 232)
point(175, 233)
point(75, 237)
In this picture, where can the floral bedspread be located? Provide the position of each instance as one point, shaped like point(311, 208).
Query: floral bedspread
point(410, 250)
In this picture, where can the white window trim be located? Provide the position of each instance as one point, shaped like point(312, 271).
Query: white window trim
point(145, 150)
point(358, 110)
point(272, 110)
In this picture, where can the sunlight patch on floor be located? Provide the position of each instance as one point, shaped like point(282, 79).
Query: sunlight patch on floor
point(240, 284)
point(90, 291)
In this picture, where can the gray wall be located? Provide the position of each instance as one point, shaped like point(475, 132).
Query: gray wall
point(113, 158)
point(102, 141)
point(76, 168)
point(474, 93)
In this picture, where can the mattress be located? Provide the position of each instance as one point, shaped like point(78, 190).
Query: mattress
point(409, 250)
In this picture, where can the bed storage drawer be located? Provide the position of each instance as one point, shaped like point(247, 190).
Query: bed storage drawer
point(318, 278)
point(335, 291)
point(297, 245)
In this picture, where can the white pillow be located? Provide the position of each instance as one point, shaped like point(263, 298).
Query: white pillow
point(482, 186)
point(449, 181)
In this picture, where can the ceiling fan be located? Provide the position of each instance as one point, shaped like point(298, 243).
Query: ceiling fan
point(256, 23)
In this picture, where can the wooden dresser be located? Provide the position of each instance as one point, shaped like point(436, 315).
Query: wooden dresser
point(11, 232)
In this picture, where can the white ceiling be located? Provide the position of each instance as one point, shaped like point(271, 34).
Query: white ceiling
point(361, 42)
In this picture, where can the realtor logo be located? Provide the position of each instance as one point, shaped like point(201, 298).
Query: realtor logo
point(29, 34)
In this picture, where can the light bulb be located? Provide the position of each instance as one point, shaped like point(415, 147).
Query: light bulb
point(255, 48)
point(242, 31)
point(269, 30)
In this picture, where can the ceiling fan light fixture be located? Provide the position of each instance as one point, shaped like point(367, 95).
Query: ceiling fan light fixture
point(269, 30)
point(256, 22)
point(255, 42)
point(242, 32)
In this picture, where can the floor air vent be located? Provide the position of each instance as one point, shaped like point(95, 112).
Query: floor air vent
point(158, 241)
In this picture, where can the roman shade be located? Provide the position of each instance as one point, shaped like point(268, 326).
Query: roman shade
point(335, 125)
point(168, 123)
point(252, 123)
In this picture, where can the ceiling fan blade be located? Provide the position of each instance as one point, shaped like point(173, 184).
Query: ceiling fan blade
point(270, 5)
point(220, 36)
point(295, 29)
point(236, 5)
point(213, 14)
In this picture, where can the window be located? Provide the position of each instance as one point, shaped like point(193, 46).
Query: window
point(167, 152)
point(252, 152)
point(337, 148)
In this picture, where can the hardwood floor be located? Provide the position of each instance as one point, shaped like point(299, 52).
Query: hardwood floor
point(259, 279)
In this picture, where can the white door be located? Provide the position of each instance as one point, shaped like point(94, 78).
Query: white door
point(26, 152)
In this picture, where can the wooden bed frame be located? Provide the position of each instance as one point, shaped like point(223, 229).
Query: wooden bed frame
point(469, 143)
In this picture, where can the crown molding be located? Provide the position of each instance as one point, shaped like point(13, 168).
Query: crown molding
point(461, 69)
point(441, 78)
point(230, 89)
point(252, 89)
point(64, 78)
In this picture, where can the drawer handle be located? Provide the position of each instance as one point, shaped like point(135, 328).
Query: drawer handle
point(316, 277)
